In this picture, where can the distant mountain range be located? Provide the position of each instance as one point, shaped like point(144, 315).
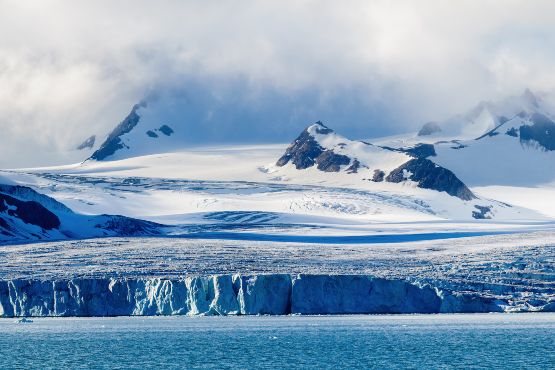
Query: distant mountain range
point(491, 143)
point(507, 143)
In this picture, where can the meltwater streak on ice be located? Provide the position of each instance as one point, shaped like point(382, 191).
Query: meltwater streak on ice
point(339, 239)
point(488, 341)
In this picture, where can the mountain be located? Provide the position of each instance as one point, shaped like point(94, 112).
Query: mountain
point(515, 145)
point(483, 118)
point(320, 146)
point(134, 136)
point(26, 215)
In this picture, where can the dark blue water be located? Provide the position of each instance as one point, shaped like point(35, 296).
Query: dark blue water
point(336, 239)
point(484, 341)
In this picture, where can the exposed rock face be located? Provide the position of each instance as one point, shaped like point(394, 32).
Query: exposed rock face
point(152, 134)
point(378, 176)
point(420, 151)
point(29, 212)
point(305, 151)
point(353, 168)
point(334, 153)
point(542, 132)
point(166, 130)
point(328, 161)
point(87, 144)
point(28, 194)
point(114, 143)
point(512, 132)
point(429, 175)
point(482, 212)
point(302, 152)
point(273, 294)
point(429, 129)
point(28, 215)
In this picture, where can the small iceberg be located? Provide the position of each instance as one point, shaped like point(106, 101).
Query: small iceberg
point(24, 320)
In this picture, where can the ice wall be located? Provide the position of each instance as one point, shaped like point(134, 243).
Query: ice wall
point(274, 294)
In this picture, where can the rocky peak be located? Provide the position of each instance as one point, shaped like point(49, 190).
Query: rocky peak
point(304, 150)
point(114, 142)
point(429, 175)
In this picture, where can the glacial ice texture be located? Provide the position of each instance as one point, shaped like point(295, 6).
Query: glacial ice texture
point(164, 276)
point(275, 294)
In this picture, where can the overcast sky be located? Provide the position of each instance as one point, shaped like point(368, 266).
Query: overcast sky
point(261, 70)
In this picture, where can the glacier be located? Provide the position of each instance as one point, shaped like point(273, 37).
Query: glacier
point(176, 276)
point(234, 294)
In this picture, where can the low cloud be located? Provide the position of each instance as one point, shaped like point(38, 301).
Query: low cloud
point(259, 71)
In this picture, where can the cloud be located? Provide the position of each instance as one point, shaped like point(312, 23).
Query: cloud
point(258, 71)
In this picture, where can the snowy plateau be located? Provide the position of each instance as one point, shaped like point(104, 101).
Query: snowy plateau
point(458, 217)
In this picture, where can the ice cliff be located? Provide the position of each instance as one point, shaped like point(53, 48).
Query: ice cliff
point(273, 294)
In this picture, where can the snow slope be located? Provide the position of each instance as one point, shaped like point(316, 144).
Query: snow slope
point(321, 184)
point(511, 158)
point(481, 119)
point(26, 215)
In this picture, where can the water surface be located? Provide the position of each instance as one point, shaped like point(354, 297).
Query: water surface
point(480, 341)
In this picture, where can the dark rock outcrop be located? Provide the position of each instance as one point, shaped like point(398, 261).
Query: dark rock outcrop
point(114, 143)
point(512, 132)
point(353, 168)
point(482, 212)
point(429, 129)
point(20, 206)
point(420, 151)
point(429, 175)
point(304, 150)
point(378, 176)
point(166, 130)
point(30, 212)
point(152, 134)
point(542, 132)
point(25, 193)
point(329, 161)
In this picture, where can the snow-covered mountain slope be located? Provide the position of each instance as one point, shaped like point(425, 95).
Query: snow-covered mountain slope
point(322, 183)
point(242, 189)
point(26, 215)
point(482, 119)
point(320, 146)
point(139, 133)
point(510, 158)
point(518, 152)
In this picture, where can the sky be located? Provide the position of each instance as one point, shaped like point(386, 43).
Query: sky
point(259, 71)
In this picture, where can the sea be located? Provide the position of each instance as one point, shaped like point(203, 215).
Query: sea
point(443, 341)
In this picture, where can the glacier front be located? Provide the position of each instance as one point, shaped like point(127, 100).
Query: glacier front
point(272, 294)
point(175, 276)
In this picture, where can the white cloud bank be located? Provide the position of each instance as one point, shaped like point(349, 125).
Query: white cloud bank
point(69, 69)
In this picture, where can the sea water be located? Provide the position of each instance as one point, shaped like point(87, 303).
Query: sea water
point(480, 341)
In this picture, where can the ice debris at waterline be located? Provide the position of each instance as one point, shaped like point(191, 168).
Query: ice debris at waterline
point(272, 294)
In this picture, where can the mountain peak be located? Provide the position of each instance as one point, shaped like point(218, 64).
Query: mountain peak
point(484, 117)
point(319, 128)
point(320, 147)
point(114, 142)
